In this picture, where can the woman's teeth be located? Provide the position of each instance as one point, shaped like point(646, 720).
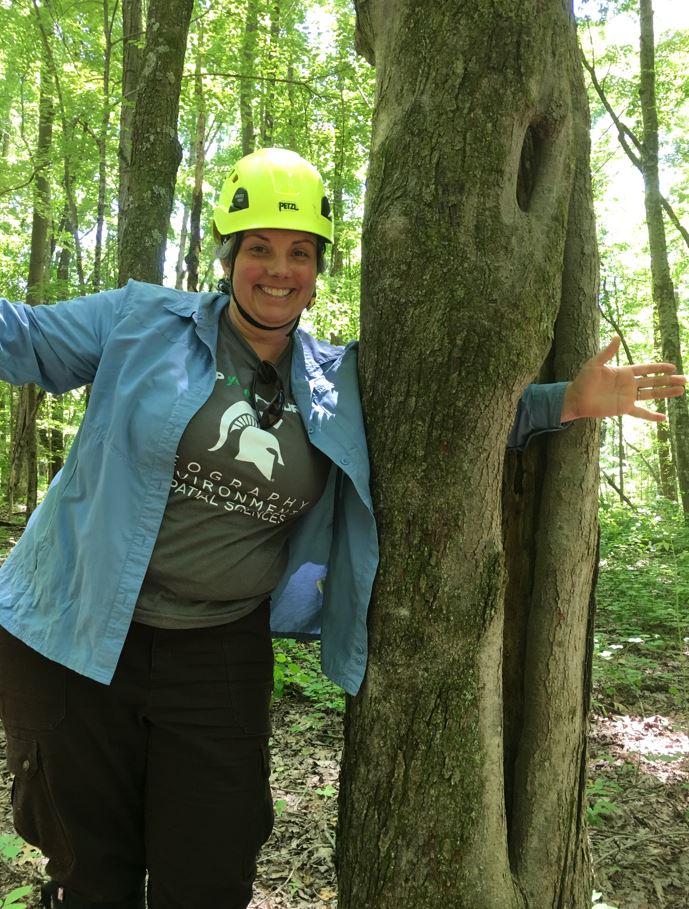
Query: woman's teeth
point(276, 291)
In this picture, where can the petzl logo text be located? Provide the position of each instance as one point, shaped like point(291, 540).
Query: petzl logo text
point(288, 206)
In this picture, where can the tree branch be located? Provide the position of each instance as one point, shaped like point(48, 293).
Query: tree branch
point(626, 136)
point(14, 189)
point(609, 480)
point(624, 133)
point(254, 78)
point(612, 322)
point(650, 467)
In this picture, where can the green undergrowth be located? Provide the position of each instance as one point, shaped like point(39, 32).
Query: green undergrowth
point(298, 671)
point(20, 856)
point(642, 626)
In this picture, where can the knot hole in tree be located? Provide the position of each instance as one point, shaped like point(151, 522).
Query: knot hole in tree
point(530, 163)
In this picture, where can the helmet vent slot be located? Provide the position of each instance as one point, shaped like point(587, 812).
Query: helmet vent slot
point(240, 200)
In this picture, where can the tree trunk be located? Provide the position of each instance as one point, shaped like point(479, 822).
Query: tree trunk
point(246, 85)
point(67, 130)
point(156, 152)
point(667, 478)
point(180, 271)
point(57, 439)
point(131, 68)
point(341, 138)
point(268, 106)
point(478, 236)
point(102, 143)
point(663, 289)
point(620, 455)
point(194, 254)
point(24, 453)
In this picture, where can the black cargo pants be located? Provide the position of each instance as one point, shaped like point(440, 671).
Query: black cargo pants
point(164, 771)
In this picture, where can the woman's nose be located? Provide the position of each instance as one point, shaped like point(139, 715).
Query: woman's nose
point(279, 264)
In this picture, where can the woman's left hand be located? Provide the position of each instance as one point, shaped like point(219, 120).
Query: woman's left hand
point(601, 390)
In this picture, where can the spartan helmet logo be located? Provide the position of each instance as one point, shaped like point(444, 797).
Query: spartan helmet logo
point(256, 446)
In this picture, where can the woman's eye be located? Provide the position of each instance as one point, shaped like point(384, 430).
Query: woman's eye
point(301, 253)
point(258, 249)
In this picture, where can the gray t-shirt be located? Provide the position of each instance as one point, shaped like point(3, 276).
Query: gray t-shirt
point(236, 489)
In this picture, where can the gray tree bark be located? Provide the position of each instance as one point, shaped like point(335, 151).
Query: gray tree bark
point(464, 767)
point(268, 96)
point(194, 254)
point(246, 84)
point(23, 459)
point(156, 152)
point(102, 144)
point(131, 67)
point(667, 476)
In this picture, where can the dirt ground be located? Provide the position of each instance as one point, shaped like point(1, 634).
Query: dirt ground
point(639, 811)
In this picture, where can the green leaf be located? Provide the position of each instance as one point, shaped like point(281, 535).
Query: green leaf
point(13, 897)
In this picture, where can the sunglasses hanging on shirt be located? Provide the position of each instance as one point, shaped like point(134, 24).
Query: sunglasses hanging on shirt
point(267, 387)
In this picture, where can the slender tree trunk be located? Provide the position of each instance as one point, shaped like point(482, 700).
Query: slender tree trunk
point(156, 152)
point(246, 85)
point(61, 257)
point(291, 124)
point(68, 182)
point(478, 248)
point(194, 254)
point(667, 478)
point(67, 129)
point(180, 270)
point(131, 67)
point(620, 455)
point(102, 143)
point(337, 259)
point(268, 106)
point(663, 289)
point(57, 439)
point(24, 449)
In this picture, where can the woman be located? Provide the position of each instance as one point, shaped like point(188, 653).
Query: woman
point(217, 489)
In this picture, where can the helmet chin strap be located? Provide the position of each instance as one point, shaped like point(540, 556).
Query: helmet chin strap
point(247, 318)
point(225, 286)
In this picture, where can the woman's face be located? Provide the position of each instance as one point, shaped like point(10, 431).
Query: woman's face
point(275, 274)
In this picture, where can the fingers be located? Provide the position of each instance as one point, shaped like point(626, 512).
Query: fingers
point(649, 369)
point(653, 393)
point(644, 414)
point(608, 352)
point(676, 383)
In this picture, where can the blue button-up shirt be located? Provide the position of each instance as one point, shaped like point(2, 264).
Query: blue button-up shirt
point(69, 586)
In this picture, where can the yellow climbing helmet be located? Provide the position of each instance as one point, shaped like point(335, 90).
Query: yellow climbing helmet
point(273, 187)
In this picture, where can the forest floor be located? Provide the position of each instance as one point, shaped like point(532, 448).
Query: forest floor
point(638, 811)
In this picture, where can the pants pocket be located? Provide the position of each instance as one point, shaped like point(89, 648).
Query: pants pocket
point(36, 818)
point(32, 687)
point(250, 703)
